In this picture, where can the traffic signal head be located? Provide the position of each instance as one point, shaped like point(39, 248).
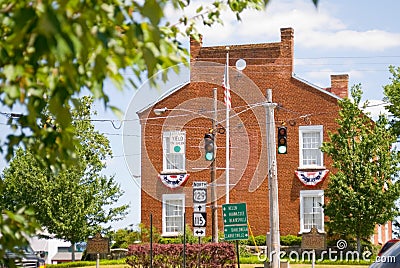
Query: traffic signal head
point(209, 146)
point(282, 140)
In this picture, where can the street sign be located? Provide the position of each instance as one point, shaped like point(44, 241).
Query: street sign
point(177, 142)
point(199, 185)
point(234, 214)
point(235, 221)
point(232, 232)
point(199, 207)
point(199, 195)
point(98, 244)
point(313, 240)
point(199, 231)
point(199, 219)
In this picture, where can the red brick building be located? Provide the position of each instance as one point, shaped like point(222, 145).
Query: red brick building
point(173, 144)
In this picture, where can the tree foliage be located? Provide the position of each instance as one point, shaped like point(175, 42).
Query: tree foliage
point(392, 95)
point(14, 229)
point(74, 202)
point(363, 189)
point(52, 50)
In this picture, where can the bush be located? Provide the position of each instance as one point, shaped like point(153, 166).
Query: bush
point(208, 255)
point(290, 240)
point(260, 240)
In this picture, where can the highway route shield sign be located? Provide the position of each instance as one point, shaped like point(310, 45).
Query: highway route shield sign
point(199, 219)
point(199, 195)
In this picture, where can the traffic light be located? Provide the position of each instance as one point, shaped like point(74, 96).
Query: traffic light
point(209, 146)
point(282, 140)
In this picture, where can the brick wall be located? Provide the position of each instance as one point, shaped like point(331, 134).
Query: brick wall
point(269, 65)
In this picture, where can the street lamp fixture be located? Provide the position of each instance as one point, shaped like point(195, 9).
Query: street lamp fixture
point(160, 111)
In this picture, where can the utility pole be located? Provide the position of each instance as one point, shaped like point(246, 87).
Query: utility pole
point(272, 183)
point(213, 170)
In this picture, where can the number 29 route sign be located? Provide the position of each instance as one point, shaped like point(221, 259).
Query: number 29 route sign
point(199, 208)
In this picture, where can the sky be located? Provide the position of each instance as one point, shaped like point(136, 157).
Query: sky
point(359, 38)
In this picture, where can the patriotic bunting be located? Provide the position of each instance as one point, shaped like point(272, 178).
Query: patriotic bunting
point(311, 178)
point(174, 181)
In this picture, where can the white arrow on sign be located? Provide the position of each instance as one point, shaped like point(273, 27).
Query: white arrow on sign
point(199, 231)
point(199, 207)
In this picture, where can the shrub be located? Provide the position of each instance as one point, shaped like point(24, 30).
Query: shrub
point(260, 240)
point(290, 240)
point(170, 255)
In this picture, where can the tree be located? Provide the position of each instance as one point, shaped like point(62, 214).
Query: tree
point(124, 237)
point(392, 95)
point(52, 50)
point(363, 190)
point(14, 227)
point(73, 203)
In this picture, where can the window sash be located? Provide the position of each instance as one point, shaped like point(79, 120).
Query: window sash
point(173, 160)
point(173, 213)
point(311, 210)
point(173, 216)
point(310, 144)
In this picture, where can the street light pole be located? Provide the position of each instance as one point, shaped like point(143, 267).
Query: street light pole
point(213, 170)
point(273, 183)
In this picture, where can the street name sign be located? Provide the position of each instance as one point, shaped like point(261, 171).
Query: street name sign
point(235, 221)
point(234, 214)
point(233, 232)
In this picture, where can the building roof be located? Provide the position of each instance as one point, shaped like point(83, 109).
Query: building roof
point(66, 256)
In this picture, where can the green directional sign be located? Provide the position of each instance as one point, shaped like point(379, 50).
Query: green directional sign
point(235, 221)
point(232, 232)
point(234, 214)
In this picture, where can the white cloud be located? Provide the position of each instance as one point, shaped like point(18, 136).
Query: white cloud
point(371, 40)
point(314, 28)
point(376, 108)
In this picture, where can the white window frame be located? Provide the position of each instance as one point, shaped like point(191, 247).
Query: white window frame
point(167, 153)
point(310, 129)
point(380, 234)
point(387, 238)
point(171, 197)
point(311, 193)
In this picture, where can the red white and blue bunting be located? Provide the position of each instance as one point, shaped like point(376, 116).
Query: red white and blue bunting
point(174, 180)
point(311, 178)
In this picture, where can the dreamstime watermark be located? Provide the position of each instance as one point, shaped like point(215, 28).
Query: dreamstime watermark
point(338, 254)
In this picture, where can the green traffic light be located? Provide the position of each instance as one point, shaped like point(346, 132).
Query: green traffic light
point(282, 149)
point(209, 156)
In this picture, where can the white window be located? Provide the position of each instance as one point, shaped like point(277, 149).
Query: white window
point(174, 151)
point(173, 208)
point(310, 143)
point(311, 210)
